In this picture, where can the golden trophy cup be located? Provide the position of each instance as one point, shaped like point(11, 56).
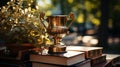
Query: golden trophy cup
point(57, 26)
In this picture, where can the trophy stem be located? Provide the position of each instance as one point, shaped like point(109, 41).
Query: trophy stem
point(57, 47)
point(56, 40)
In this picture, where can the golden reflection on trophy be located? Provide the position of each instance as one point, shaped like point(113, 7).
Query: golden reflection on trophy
point(57, 26)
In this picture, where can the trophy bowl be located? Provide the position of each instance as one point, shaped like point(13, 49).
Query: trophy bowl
point(57, 26)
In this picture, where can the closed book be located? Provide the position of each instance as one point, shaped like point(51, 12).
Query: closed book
point(85, 63)
point(68, 58)
point(90, 52)
point(98, 59)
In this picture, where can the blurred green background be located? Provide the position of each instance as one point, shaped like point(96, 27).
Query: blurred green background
point(96, 20)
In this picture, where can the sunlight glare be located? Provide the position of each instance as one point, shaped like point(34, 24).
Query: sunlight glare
point(44, 3)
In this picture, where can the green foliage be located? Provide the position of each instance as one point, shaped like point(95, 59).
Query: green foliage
point(20, 24)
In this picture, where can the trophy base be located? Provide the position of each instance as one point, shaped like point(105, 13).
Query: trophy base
point(57, 49)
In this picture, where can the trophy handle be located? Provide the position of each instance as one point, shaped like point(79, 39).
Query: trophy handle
point(70, 17)
point(42, 15)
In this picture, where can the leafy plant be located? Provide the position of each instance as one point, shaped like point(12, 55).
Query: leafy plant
point(21, 24)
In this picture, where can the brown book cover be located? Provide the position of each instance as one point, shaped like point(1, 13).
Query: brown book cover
point(98, 59)
point(69, 58)
point(90, 52)
point(85, 63)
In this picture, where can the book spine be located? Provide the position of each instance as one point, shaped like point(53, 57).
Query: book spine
point(93, 53)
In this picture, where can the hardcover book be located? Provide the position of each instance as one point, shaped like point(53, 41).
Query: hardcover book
point(67, 59)
point(98, 59)
point(90, 52)
point(85, 63)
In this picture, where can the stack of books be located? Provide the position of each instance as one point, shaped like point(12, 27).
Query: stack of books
point(95, 54)
point(68, 59)
point(76, 56)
